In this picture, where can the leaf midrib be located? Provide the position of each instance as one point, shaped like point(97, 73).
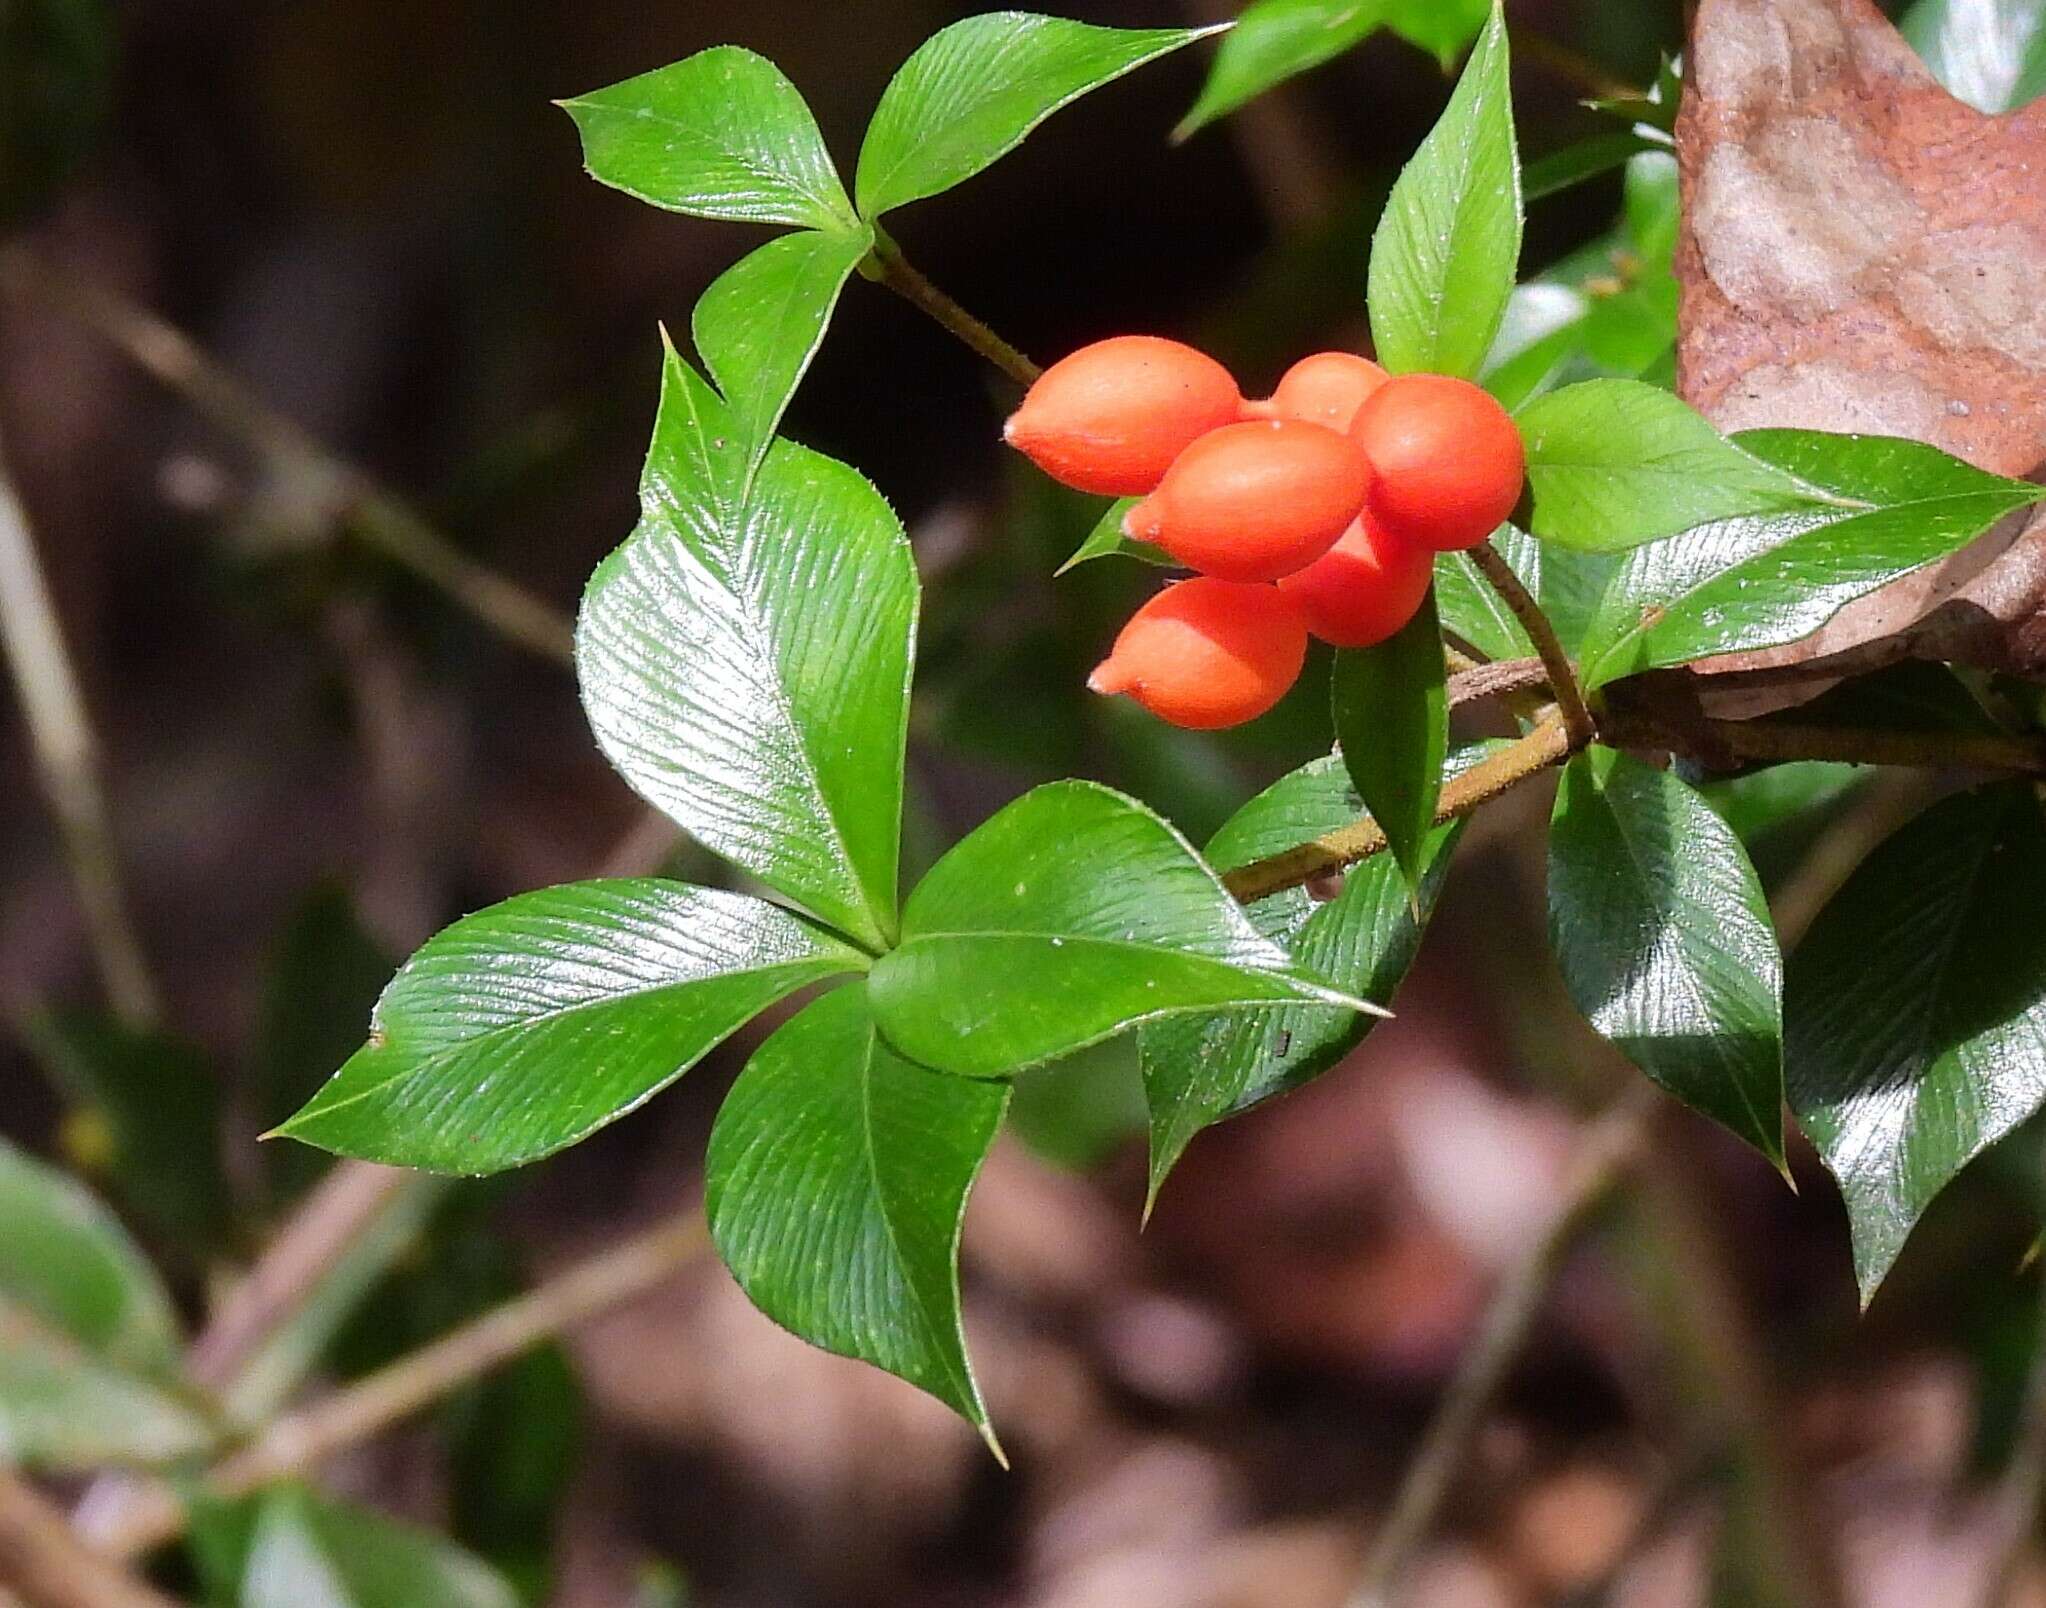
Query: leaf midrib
point(1640, 865)
point(870, 1154)
point(436, 1060)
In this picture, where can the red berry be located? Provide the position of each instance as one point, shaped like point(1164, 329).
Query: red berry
point(1447, 460)
point(1205, 654)
point(1253, 502)
point(1111, 417)
point(1364, 589)
point(1326, 389)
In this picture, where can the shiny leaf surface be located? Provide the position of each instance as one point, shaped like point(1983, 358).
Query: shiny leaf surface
point(837, 1181)
point(1658, 922)
point(1071, 915)
point(527, 1026)
point(1917, 1009)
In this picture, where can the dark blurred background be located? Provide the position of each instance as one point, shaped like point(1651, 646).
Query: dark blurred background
point(371, 214)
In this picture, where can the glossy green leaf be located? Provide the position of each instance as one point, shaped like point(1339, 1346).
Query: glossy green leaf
point(1108, 539)
point(1200, 1069)
point(1391, 706)
point(64, 1410)
point(1658, 922)
point(1615, 463)
point(1445, 255)
point(745, 659)
point(721, 135)
point(1075, 913)
point(66, 1260)
point(1275, 40)
point(1917, 1009)
point(836, 1183)
point(761, 322)
point(155, 1101)
point(308, 1552)
point(529, 1025)
point(1764, 581)
point(1764, 801)
point(973, 91)
point(1990, 53)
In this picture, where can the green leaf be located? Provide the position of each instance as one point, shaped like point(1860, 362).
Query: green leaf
point(1918, 1011)
point(309, 1552)
point(836, 1183)
point(1275, 40)
point(66, 1260)
point(720, 135)
point(761, 322)
point(1615, 463)
point(745, 660)
point(157, 1102)
point(1443, 28)
point(527, 1026)
point(1658, 921)
point(1586, 159)
point(1200, 1069)
point(1107, 539)
point(1075, 913)
point(1607, 311)
point(64, 1410)
point(1391, 707)
point(973, 91)
point(1760, 582)
point(57, 62)
point(1446, 251)
point(1990, 53)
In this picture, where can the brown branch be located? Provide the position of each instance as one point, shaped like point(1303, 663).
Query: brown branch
point(43, 1562)
point(1608, 1150)
point(1548, 744)
point(377, 516)
point(66, 750)
point(299, 1442)
point(1555, 659)
point(886, 265)
point(1729, 743)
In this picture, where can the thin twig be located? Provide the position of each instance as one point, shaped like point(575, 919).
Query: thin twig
point(67, 759)
point(1548, 744)
point(45, 1564)
point(377, 516)
point(1603, 1158)
point(1738, 742)
point(887, 265)
point(1563, 686)
point(298, 1442)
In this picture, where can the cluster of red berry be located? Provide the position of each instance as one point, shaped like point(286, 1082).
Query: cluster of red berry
point(1319, 511)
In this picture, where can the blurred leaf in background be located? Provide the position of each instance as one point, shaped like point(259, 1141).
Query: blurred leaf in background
point(56, 70)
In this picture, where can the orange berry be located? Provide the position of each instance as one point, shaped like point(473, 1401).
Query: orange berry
point(1111, 417)
point(1447, 461)
point(1252, 502)
point(1205, 654)
point(1326, 389)
point(1364, 589)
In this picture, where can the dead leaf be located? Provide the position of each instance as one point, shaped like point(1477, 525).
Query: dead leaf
point(1863, 252)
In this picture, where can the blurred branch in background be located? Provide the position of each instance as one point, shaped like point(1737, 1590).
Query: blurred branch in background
point(377, 516)
point(47, 1566)
point(67, 758)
